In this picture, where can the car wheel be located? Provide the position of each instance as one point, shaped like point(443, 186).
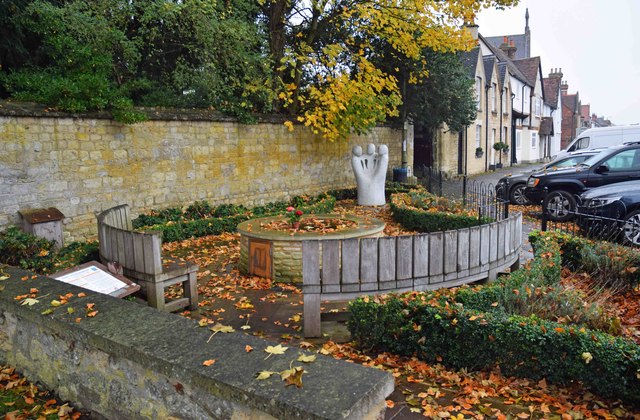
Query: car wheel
point(631, 228)
point(560, 206)
point(517, 196)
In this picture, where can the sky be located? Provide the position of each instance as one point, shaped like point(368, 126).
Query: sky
point(596, 43)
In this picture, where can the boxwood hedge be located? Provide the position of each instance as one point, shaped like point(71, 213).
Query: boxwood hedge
point(201, 219)
point(467, 328)
point(424, 212)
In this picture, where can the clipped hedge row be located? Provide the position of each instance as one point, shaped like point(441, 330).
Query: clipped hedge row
point(390, 188)
point(612, 264)
point(445, 325)
point(224, 218)
point(424, 212)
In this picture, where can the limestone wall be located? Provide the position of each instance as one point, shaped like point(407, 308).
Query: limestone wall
point(85, 165)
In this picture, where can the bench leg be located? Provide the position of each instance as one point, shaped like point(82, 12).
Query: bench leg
point(311, 315)
point(155, 295)
point(190, 288)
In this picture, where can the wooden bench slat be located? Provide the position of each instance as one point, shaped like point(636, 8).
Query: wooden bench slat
point(369, 264)
point(450, 238)
point(330, 266)
point(350, 265)
point(404, 259)
point(421, 255)
point(311, 288)
point(387, 262)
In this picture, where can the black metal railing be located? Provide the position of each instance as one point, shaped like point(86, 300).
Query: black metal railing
point(477, 196)
point(588, 224)
point(431, 180)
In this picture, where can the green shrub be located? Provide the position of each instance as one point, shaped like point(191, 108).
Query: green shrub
point(425, 212)
point(201, 219)
point(30, 252)
point(611, 265)
point(25, 250)
point(445, 324)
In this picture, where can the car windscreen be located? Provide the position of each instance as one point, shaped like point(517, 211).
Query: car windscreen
point(565, 162)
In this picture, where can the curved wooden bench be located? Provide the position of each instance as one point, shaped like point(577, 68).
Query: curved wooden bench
point(140, 256)
point(354, 267)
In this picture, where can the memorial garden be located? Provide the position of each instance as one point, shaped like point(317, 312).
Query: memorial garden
point(228, 164)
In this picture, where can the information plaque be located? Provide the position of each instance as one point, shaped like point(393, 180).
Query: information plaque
point(96, 277)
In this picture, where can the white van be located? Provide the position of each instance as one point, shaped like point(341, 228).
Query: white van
point(596, 138)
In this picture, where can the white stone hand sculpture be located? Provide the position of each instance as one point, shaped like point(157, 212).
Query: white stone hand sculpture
point(371, 171)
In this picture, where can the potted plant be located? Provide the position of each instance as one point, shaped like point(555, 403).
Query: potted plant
point(294, 217)
point(500, 146)
point(479, 152)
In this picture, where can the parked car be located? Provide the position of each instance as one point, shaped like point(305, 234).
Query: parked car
point(614, 207)
point(601, 137)
point(615, 164)
point(517, 182)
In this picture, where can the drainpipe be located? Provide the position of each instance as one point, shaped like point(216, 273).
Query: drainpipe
point(486, 128)
point(513, 133)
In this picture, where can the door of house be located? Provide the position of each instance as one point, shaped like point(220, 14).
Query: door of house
point(422, 147)
point(260, 258)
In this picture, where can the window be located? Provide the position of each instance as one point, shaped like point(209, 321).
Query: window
point(505, 99)
point(518, 139)
point(493, 97)
point(478, 92)
point(493, 135)
point(583, 143)
point(534, 140)
point(628, 160)
point(537, 104)
point(504, 136)
point(478, 135)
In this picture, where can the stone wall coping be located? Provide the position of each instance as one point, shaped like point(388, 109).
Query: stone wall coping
point(366, 227)
point(176, 347)
point(12, 108)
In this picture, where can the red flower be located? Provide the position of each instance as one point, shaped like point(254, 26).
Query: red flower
point(290, 208)
point(298, 212)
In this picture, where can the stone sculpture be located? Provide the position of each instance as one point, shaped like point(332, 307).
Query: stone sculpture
point(371, 171)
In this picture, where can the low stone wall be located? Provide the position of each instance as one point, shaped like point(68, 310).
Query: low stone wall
point(85, 164)
point(284, 249)
point(131, 361)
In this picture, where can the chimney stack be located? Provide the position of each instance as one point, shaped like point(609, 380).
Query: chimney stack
point(508, 48)
point(555, 74)
point(472, 28)
point(564, 88)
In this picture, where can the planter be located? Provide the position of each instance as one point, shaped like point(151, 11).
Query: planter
point(498, 165)
point(479, 154)
point(278, 255)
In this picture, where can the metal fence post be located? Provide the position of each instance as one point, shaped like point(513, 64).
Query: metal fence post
point(464, 190)
point(505, 198)
point(545, 212)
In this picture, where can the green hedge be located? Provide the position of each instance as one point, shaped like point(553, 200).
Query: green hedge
point(445, 325)
point(202, 219)
point(30, 252)
point(610, 264)
point(424, 212)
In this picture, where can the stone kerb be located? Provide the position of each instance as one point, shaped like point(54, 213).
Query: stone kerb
point(131, 361)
